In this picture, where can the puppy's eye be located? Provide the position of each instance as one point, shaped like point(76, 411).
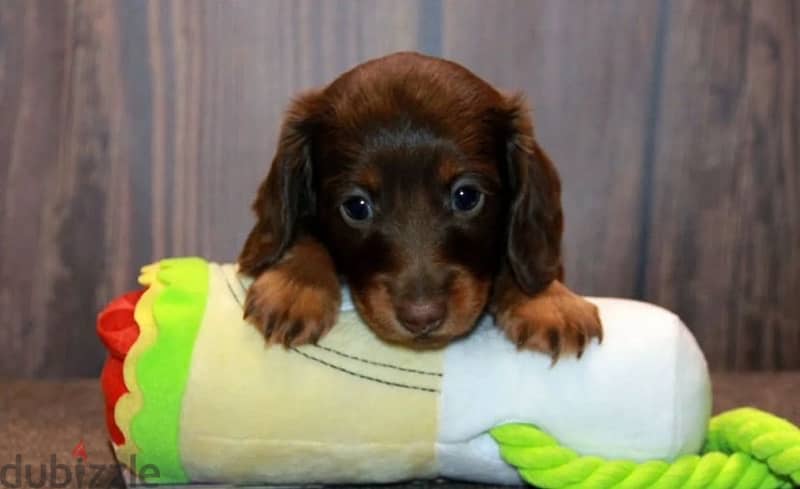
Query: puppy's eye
point(356, 210)
point(467, 199)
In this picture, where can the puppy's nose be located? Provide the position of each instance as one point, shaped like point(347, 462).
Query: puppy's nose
point(421, 316)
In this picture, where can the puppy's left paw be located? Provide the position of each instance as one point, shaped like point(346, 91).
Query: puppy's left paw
point(290, 313)
point(556, 321)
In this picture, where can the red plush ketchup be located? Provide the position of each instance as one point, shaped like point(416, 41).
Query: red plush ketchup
point(118, 331)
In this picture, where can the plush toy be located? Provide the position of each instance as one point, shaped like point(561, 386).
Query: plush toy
point(193, 394)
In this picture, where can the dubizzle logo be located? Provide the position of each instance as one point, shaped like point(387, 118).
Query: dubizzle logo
point(80, 474)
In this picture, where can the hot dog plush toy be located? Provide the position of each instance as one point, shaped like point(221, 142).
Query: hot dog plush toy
point(194, 395)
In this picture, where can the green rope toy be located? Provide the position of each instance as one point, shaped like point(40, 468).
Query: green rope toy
point(745, 449)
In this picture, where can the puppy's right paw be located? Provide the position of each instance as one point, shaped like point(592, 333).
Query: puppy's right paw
point(289, 312)
point(554, 322)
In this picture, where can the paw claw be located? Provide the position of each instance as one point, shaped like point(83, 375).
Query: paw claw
point(290, 332)
point(554, 341)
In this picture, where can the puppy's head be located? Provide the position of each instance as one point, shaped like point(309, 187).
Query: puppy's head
point(422, 181)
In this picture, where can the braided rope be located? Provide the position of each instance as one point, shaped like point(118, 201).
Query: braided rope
point(745, 449)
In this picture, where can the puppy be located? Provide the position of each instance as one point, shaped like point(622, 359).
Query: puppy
point(423, 188)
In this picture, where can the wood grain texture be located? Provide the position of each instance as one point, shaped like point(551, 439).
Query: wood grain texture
point(135, 130)
point(586, 68)
point(724, 234)
point(131, 131)
point(222, 75)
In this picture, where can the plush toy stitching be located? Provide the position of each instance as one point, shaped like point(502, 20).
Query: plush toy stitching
point(362, 376)
point(379, 364)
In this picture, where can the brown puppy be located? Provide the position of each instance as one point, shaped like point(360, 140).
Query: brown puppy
point(424, 189)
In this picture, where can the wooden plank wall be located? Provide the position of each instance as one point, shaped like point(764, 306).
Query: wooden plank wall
point(133, 130)
point(724, 223)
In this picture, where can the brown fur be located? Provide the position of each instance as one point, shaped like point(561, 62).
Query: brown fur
point(404, 129)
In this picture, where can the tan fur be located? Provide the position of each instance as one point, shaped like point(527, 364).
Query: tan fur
point(555, 321)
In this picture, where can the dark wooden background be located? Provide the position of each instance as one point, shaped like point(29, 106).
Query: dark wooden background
point(134, 130)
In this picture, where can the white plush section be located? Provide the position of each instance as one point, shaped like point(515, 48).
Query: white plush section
point(347, 301)
point(644, 394)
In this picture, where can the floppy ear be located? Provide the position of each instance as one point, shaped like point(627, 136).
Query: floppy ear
point(287, 196)
point(535, 223)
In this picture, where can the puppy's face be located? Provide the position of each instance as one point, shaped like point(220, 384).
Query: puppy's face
point(416, 228)
point(420, 179)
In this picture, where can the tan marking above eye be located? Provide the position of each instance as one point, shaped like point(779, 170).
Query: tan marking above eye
point(448, 170)
point(369, 178)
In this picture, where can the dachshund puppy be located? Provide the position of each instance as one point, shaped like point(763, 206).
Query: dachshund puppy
point(423, 189)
